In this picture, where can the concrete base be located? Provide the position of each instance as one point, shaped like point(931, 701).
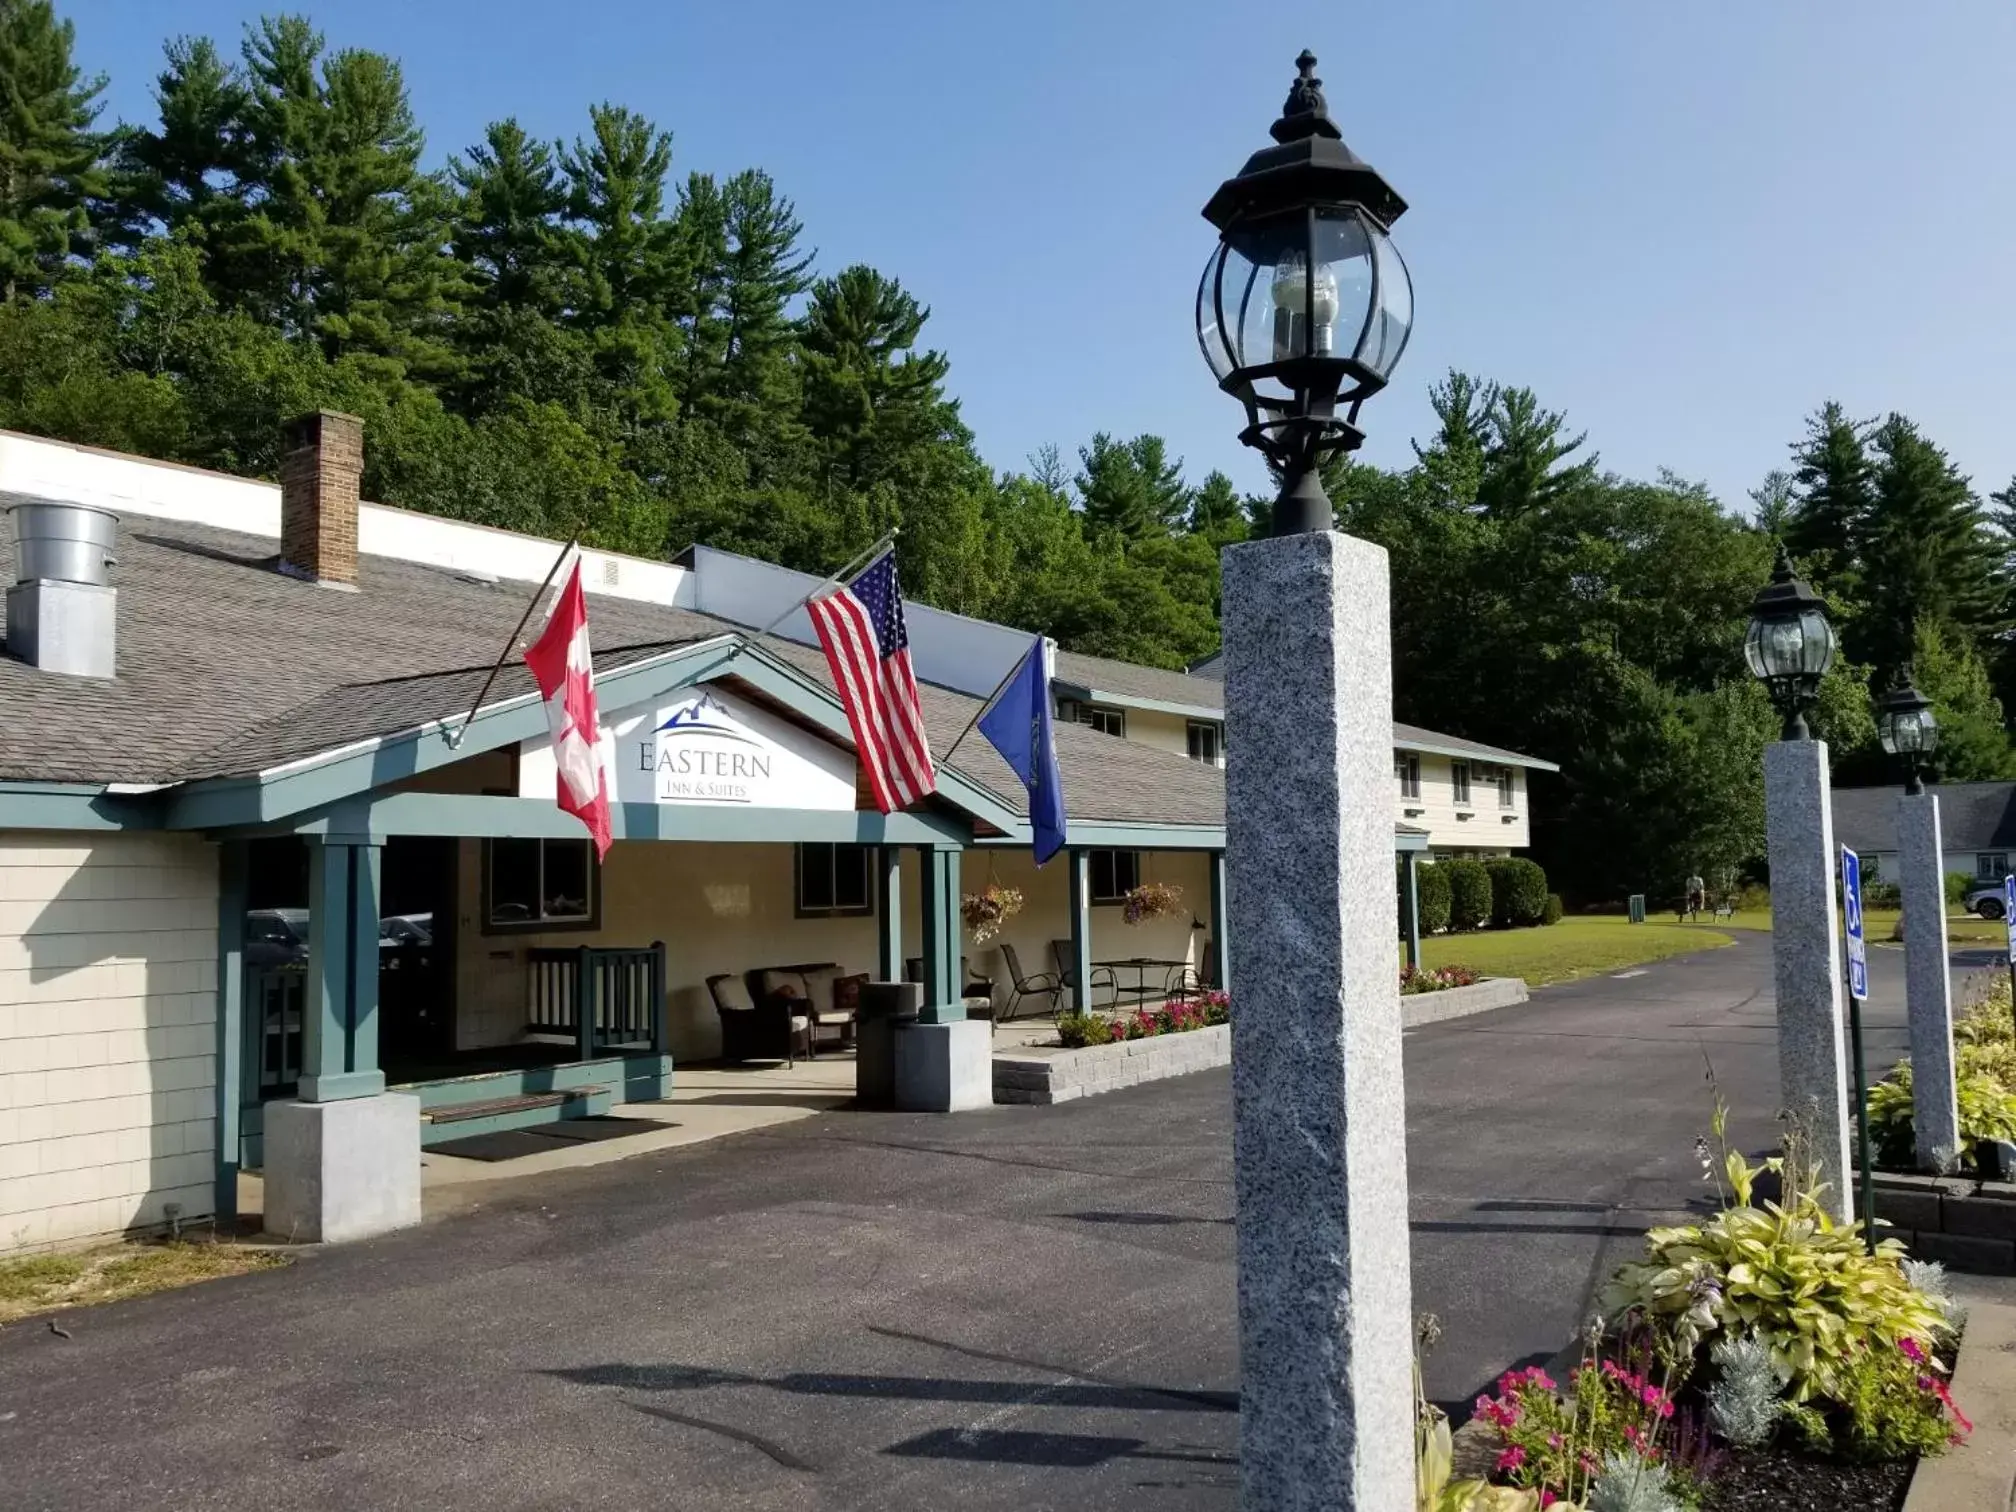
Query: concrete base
point(944, 1068)
point(342, 1170)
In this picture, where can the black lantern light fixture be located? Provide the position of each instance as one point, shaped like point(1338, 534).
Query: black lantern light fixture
point(1905, 725)
point(1790, 645)
point(1305, 305)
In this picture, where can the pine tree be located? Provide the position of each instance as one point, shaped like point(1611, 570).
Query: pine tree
point(174, 169)
point(1772, 503)
point(1927, 555)
point(52, 163)
point(1131, 488)
point(870, 395)
point(507, 227)
point(1217, 512)
point(1833, 491)
point(1526, 459)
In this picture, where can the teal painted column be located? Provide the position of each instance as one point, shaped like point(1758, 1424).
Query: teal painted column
point(943, 999)
point(339, 1038)
point(1414, 908)
point(1081, 928)
point(889, 925)
point(230, 1028)
point(1221, 929)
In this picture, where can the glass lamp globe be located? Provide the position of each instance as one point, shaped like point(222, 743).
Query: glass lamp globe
point(1790, 645)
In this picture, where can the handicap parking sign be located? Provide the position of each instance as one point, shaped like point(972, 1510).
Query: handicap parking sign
point(1851, 900)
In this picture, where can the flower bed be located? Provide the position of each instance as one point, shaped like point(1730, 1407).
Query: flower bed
point(1177, 1016)
point(1414, 979)
point(1984, 1045)
point(1762, 1357)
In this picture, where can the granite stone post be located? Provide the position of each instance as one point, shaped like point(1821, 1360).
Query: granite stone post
point(1806, 956)
point(1935, 1114)
point(1320, 1138)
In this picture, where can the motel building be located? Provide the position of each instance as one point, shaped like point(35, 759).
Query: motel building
point(270, 900)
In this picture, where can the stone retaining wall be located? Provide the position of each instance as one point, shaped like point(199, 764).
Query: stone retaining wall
point(1052, 1074)
point(1969, 1225)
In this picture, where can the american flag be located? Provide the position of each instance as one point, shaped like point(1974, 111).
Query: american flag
point(860, 624)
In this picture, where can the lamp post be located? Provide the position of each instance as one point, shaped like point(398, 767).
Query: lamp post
point(1789, 647)
point(1305, 306)
point(1302, 312)
point(1908, 730)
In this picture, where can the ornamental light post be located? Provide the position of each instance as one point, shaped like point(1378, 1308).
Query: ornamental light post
point(1908, 730)
point(1302, 312)
point(1790, 646)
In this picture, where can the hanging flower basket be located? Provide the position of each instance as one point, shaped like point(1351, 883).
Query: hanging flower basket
point(986, 910)
point(1151, 900)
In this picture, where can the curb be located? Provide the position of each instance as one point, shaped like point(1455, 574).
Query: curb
point(1460, 1002)
point(1981, 1475)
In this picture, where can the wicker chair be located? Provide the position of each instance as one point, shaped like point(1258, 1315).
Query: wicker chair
point(757, 1031)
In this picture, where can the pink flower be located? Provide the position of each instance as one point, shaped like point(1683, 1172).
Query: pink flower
point(1547, 1499)
point(1512, 1458)
point(1553, 1441)
point(1912, 1350)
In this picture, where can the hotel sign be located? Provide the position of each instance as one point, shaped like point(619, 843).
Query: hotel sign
point(705, 746)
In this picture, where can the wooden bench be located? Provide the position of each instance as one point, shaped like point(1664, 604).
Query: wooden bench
point(496, 1115)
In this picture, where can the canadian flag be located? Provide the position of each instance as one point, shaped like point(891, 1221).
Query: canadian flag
point(565, 672)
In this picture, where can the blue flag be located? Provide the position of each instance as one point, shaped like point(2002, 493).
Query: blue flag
point(1017, 724)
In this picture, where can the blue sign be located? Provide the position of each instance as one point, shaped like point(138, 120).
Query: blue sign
point(1858, 951)
point(2009, 914)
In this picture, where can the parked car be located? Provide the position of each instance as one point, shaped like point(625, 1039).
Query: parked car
point(396, 930)
point(1985, 899)
point(276, 937)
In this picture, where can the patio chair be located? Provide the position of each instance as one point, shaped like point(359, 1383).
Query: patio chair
point(977, 992)
point(1021, 985)
point(1186, 981)
point(756, 1031)
point(1062, 951)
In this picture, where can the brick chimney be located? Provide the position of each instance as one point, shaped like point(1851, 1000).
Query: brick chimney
point(322, 465)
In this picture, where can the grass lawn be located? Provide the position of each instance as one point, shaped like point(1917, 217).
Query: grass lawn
point(45, 1283)
point(1576, 947)
point(1878, 924)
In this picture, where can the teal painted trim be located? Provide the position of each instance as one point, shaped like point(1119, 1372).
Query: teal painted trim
point(1413, 918)
point(231, 860)
point(1103, 835)
point(808, 698)
point(944, 1002)
point(1204, 713)
point(1221, 922)
point(577, 1104)
point(361, 1040)
point(326, 996)
point(533, 818)
point(1080, 861)
point(72, 806)
point(566, 1076)
point(230, 802)
point(340, 1086)
point(889, 921)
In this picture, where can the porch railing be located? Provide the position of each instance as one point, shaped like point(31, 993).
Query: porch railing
point(606, 999)
point(275, 997)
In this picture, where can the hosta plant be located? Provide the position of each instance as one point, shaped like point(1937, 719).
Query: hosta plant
point(1987, 1107)
point(1789, 1274)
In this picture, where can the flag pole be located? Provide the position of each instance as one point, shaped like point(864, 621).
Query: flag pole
point(988, 702)
point(455, 738)
point(888, 538)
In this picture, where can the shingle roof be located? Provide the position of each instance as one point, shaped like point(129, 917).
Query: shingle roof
point(227, 668)
point(1973, 816)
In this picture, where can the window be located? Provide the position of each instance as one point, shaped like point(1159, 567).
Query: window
point(1105, 721)
point(1115, 873)
point(834, 880)
point(1459, 781)
point(1991, 866)
point(1507, 789)
point(539, 884)
point(1206, 743)
point(1408, 770)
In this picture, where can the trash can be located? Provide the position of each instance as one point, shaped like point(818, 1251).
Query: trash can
point(1637, 908)
point(884, 1005)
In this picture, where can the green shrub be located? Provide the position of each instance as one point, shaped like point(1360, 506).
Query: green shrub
point(1469, 893)
point(1433, 882)
point(1883, 895)
point(1987, 1107)
point(1551, 914)
point(1518, 892)
point(1957, 884)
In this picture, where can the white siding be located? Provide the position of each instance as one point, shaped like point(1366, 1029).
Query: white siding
point(108, 1002)
point(1481, 825)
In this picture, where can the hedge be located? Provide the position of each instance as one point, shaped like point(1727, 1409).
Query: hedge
point(1469, 893)
point(1518, 892)
point(1555, 908)
point(1434, 885)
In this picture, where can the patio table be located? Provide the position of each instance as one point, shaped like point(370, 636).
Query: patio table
point(1140, 966)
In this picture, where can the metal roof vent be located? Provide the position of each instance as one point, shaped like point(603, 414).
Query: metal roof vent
point(62, 612)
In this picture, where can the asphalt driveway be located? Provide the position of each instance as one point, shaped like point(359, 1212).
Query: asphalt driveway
point(1020, 1308)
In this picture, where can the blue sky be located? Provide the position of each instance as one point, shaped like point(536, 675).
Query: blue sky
point(1683, 225)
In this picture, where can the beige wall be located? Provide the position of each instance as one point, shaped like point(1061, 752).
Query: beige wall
point(1481, 827)
point(726, 908)
point(1046, 915)
point(1165, 732)
point(108, 1002)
